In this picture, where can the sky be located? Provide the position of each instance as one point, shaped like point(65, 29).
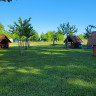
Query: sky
point(47, 15)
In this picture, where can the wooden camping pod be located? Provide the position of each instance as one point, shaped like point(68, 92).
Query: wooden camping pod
point(92, 42)
point(4, 42)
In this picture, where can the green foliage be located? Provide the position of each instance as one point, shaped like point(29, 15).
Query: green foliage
point(89, 31)
point(3, 31)
point(22, 28)
point(43, 36)
point(1, 28)
point(6, 0)
point(52, 35)
point(28, 29)
point(49, 35)
point(67, 29)
point(81, 37)
point(60, 36)
point(14, 36)
point(35, 36)
point(71, 33)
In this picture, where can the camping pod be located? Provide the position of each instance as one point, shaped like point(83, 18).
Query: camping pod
point(92, 42)
point(4, 42)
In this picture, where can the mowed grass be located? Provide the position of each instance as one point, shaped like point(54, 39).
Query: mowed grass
point(47, 71)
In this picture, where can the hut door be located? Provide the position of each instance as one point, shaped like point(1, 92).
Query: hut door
point(4, 43)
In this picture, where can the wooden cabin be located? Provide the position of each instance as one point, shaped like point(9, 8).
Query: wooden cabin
point(73, 41)
point(92, 42)
point(4, 42)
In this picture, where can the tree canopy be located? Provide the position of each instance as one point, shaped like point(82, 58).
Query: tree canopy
point(6, 0)
point(88, 32)
point(22, 28)
point(67, 29)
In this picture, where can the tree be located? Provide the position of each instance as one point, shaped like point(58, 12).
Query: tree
point(88, 32)
point(49, 35)
point(1, 27)
point(60, 36)
point(81, 37)
point(6, 0)
point(3, 31)
point(17, 28)
point(43, 36)
point(35, 36)
point(27, 31)
point(54, 37)
point(66, 29)
point(22, 28)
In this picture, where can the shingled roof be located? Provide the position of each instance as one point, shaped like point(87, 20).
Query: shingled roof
point(92, 39)
point(4, 37)
point(74, 39)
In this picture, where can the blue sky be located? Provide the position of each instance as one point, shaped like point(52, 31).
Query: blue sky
point(47, 15)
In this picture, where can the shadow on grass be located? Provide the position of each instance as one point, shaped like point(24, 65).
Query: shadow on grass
point(47, 71)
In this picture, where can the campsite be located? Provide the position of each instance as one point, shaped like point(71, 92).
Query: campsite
point(47, 48)
point(47, 70)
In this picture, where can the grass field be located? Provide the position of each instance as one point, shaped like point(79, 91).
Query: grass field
point(47, 71)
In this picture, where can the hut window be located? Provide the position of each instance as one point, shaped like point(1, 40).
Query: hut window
point(4, 41)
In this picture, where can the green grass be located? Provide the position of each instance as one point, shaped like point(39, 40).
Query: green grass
point(47, 71)
point(37, 43)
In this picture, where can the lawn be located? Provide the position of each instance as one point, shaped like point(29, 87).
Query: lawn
point(47, 71)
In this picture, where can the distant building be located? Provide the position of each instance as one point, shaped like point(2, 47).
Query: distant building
point(4, 42)
point(11, 40)
point(15, 40)
point(92, 42)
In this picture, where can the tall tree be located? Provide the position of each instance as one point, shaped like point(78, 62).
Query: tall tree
point(17, 28)
point(27, 31)
point(66, 29)
point(22, 28)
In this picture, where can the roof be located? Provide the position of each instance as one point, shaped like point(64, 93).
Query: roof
point(74, 39)
point(4, 37)
point(92, 39)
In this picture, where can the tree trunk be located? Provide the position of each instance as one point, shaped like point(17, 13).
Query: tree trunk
point(67, 43)
point(53, 42)
point(20, 47)
point(28, 43)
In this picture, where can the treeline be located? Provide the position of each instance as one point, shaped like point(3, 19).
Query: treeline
point(23, 30)
point(35, 37)
point(50, 35)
